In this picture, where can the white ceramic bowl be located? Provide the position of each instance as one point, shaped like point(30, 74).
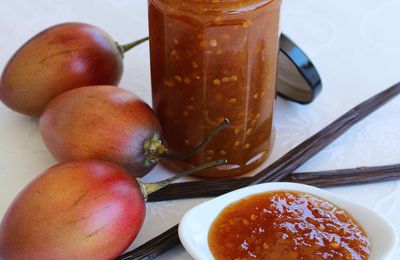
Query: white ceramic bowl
point(194, 226)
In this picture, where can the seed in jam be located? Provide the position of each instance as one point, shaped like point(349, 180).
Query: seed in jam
point(249, 131)
point(234, 78)
point(213, 43)
point(186, 80)
point(225, 79)
point(286, 225)
point(178, 78)
point(217, 82)
point(169, 83)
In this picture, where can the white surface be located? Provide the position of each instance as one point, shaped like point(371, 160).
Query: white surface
point(354, 44)
point(199, 219)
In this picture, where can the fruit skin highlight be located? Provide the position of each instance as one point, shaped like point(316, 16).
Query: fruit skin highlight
point(85, 209)
point(100, 122)
point(60, 58)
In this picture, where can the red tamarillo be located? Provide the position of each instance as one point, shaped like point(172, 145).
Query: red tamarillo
point(106, 123)
point(60, 58)
point(85, 209)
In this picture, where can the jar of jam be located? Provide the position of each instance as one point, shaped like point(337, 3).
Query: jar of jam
point(210, 60)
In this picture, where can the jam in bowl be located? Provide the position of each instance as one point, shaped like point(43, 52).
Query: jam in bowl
point(285, 221)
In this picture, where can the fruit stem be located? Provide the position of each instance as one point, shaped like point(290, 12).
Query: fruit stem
point(126, 47)
point(148, 188)
point(155, 150)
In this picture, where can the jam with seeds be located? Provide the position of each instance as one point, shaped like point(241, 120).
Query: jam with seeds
point(210, 60)
point(286, 225)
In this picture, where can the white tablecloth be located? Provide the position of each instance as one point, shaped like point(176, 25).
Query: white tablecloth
point(354, 44)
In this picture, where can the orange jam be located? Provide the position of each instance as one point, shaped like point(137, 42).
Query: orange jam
point(286, 225)
point(210, 60)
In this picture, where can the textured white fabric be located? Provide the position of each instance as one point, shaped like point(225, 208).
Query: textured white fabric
point(354, 44)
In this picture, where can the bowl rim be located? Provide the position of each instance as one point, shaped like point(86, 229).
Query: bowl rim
point(216, 205)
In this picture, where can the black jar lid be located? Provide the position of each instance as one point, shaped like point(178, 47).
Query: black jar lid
point(298, 79)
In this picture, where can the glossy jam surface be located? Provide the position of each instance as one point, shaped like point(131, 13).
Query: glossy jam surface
point(210, 60)
point(286, 225)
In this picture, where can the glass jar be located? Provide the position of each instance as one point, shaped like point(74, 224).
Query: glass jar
point(210, 60)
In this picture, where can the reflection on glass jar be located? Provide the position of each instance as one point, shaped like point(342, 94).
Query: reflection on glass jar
point(212, 59)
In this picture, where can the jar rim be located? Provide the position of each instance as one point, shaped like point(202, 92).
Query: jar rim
point(222, 6)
